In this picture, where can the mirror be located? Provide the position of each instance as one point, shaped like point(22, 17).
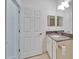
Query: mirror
point(51, 21)
point(55, 20)
point(59, 21)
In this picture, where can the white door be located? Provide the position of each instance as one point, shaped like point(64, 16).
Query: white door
point(31, 33)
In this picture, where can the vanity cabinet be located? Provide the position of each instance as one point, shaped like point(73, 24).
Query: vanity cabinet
point(51, 20)
point(60, 49)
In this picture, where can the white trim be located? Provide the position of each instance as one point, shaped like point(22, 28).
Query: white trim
point(12, 57)
point(15, 2)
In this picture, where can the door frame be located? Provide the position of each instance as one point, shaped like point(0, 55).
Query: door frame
point(18, 39)
point(18, 6)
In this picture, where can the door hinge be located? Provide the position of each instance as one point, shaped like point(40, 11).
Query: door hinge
point(19, 30)
point(19, 11)
point(19, 50)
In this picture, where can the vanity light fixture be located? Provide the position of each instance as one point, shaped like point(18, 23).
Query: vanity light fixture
point(61, 7)
point(64, 4)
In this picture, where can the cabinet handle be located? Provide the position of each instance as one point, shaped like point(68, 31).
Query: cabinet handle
point(61, 46)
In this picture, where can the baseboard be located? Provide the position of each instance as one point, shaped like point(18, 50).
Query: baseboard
point(38, 55)
point(48, 54)
point(12, 57)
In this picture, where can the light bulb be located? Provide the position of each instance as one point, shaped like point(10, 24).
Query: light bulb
point(66, 4)
point(61, 7)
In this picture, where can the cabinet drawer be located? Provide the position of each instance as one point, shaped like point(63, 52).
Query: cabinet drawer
point(66, 43)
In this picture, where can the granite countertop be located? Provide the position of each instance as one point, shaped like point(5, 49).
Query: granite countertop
point(59, 38)
point(60, 32)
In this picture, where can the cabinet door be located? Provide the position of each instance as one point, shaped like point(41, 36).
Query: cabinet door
point(59, 21)
point(68, 53)
point(51, 20)
point(55, 21)
point(50, 47)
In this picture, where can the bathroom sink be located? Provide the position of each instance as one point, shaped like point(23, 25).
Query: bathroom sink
point(59, 37)
point(55, 36)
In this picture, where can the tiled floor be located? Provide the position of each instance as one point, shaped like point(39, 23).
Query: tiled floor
point(42, 56)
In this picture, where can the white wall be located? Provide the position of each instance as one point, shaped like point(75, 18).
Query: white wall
point(48, 7)
point(11, 30)
point(68, 20)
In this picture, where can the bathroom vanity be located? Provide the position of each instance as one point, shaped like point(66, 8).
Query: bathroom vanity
point(59, 46)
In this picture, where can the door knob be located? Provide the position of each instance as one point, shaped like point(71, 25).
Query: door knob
point(40, 33)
